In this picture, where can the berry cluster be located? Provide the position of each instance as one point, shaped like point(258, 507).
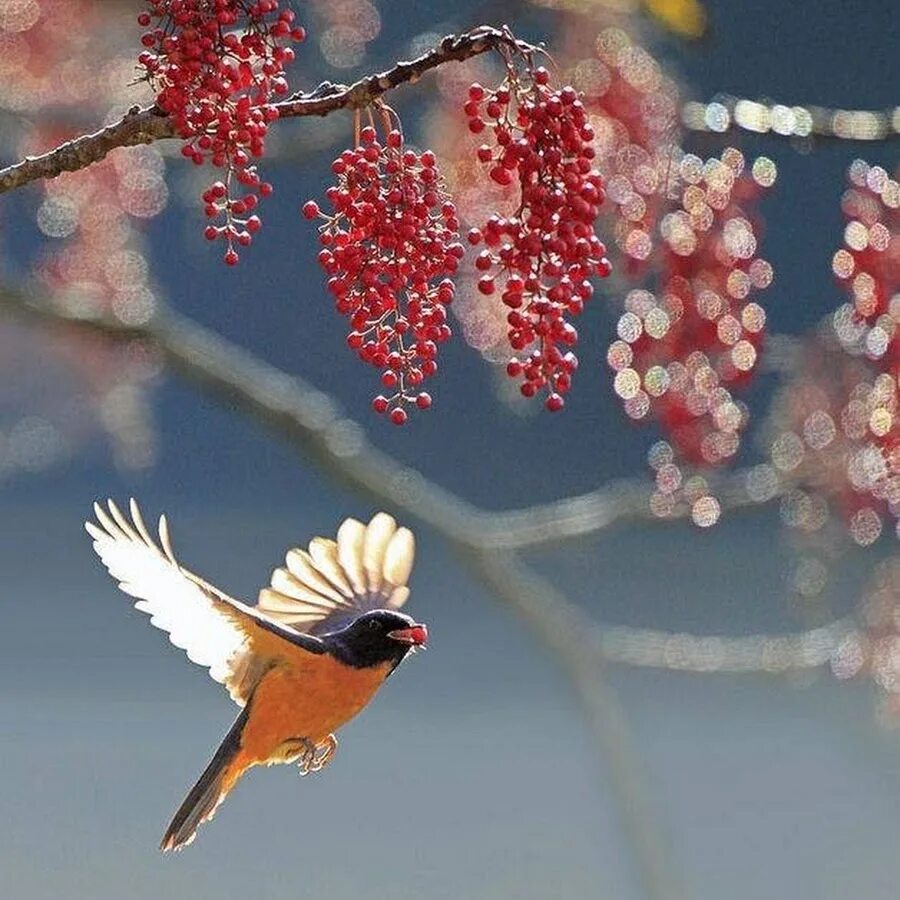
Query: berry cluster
point(682, 350)
point(215, 65)
point(818, 420)
point(869, 326)
point(541, 259)
point(389, 249)
point(633, 106)
point(869, 266)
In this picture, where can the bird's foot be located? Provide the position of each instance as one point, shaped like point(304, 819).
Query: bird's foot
point(314, 757)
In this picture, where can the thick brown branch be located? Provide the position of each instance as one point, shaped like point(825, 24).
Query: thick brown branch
point(137, 126)
point(143, 126)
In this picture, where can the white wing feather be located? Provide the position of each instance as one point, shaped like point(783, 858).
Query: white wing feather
point(199, 619)
point(367, 567)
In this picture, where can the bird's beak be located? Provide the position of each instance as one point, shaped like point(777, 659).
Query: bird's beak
point(417, 635)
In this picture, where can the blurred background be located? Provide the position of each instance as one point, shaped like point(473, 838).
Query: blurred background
point(475, 774)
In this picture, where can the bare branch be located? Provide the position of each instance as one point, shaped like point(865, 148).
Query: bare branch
point(566, 630)
point(726, 114)
point(775, 653)
point(617, 501)
point(145, 125)
point(312, 422)
point(137, 126)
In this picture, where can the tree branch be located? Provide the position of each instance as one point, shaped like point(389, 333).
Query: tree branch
point(726, 113)
point(144, 125)
point(312, 422)
point(565, 630)
point(149, 124)
point(774, 653)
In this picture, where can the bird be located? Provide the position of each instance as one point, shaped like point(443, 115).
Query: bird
point(312, 652)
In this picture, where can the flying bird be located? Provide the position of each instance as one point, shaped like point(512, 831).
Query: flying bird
point(319, 643)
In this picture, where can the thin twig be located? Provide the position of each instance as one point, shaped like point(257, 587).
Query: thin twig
point(146, 125)
point(726, 113)
point(774, 653)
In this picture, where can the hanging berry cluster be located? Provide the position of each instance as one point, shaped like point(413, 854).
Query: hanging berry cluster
point(389, 249)
point(683, 349)
point(216, 65)
point(869, 266)
point(633, 106)
point(869, 326)
point(542, 258)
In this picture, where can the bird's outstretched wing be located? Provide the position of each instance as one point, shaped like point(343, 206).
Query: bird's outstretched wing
point(325, 587)
point(236, 642)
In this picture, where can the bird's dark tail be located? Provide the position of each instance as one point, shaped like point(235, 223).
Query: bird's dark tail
point(210, 790)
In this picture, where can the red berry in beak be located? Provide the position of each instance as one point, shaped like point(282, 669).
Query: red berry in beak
point(417, 635)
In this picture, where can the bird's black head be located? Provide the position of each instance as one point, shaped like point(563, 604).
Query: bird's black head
point(376, 637)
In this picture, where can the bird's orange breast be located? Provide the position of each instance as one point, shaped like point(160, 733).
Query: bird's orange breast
point(309, 698)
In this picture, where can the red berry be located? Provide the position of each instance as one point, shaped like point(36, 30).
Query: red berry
point(390, 246)
point(541, 259)
point(217, 89)
point(398, 416)
point(554, 402)
point(310, 209)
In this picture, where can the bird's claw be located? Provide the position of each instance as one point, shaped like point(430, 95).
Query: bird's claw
point(314, 757)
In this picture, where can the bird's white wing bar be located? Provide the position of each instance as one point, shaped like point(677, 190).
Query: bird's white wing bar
point(213, 629)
